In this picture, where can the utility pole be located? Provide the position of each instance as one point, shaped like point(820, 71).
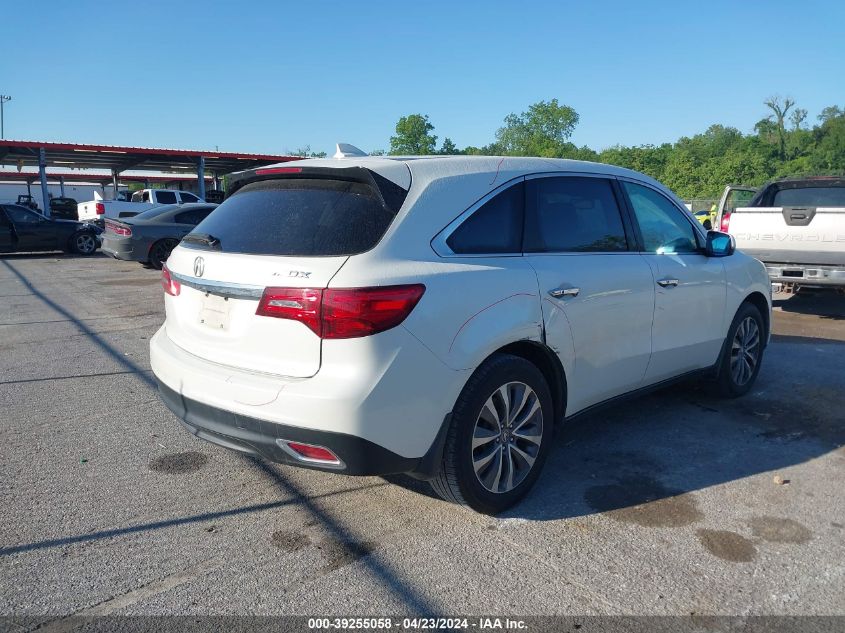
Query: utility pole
point(3, 99)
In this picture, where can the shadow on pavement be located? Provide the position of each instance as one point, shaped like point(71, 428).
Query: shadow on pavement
point(823, 302)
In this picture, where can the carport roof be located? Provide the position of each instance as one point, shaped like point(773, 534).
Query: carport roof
point(120, 158)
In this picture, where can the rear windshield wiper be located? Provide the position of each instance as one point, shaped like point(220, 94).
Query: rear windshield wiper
point(202, 238)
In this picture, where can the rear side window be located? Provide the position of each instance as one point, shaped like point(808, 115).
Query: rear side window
point(572, 214)
point(194, 216)
point(495, 227)
point(166, 197)
point(810, 197)
point(300, 217)
point(188, 197)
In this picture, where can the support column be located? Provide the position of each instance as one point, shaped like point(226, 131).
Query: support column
point(216, 181)
point(62, 185)
point(114, 175)
point(42, 172)
point(201, 177)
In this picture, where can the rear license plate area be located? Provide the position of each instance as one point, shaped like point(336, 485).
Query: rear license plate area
point(214, 312)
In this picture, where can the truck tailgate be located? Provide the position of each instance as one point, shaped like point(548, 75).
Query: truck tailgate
point(792, 235)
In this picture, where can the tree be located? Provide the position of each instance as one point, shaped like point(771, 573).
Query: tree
point(413, 136)
point(541, 131)
point(377, 152)
point(830, 112)
point(448, 148)
point(779, 112)
point(307, 153)
point(797, 118)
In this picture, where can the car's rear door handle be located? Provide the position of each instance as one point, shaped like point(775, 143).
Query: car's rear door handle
point(557, 293)
point(668, 283)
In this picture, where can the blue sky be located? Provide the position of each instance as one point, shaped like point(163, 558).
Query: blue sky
point(275, 76)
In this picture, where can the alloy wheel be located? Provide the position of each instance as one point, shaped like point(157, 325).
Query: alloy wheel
point(85, 243)
point(745, 351)
point(507, 436)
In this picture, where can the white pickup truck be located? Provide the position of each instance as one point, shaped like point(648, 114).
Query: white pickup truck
point(796, 228)
point(99, 209)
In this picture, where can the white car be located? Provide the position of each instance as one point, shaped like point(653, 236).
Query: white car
point(439, 316)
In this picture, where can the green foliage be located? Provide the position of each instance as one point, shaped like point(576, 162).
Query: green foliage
point(449, 148)
point(413, 136)
point(307, 153)
point(696, 167)
point(541, 131)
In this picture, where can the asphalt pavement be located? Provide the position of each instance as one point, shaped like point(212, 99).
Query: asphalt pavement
point(677, 503)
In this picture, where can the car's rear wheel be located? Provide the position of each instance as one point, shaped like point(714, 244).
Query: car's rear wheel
point(499, 436)
point(743, 352)
point(160, 251)
point(83, 243)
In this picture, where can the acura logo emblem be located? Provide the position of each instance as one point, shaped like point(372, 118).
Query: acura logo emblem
point(199, 267)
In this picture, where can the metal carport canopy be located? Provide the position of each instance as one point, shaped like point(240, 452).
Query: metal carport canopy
point(118, 158)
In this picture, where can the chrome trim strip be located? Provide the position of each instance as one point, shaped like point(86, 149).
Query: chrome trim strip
point(220, 288)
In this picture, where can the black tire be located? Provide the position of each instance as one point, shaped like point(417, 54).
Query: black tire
point(83, 243)
point(160, 251)
point(732, 383)
point(457, 480)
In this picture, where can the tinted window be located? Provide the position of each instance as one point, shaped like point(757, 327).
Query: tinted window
point(495, 227)
point(19, 215)
point(665, 229)
point(572, 215)
point(166, 197)
point(810, 197)
point(194, 216)
point(152, 213)
point(299, 216)
point(188, 197)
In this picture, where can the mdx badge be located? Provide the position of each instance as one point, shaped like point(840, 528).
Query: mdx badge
point(199, 267)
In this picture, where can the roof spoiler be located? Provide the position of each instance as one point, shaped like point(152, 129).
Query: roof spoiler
point(391, 194)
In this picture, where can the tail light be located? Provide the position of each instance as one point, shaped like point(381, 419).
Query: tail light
point(101, 208)
point(118, 229)
point(170, 285)
point(726, 222)
point(337, 313)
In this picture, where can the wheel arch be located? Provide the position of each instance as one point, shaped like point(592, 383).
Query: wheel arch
point(759, 301)
point(549, 365)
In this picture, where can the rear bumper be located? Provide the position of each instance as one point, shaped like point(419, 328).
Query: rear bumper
point(806, 274)
point(258, 437)
point(382, 412)
point(120, 249)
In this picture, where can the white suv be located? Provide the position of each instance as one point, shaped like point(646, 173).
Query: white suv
point(439, 316)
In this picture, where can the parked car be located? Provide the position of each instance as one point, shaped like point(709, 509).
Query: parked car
point(99, 209)
point(24, 230)
point(62, 208)
point(796, 227)
point(25, 200)
point(439, 316)
point(150, 236)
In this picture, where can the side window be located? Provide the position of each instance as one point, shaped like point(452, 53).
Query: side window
point(663, 226)
point(19, 215)
point(495, 227)
point(572, 214)
point(188, 197)
point(194, 216)
point(4, 221)
point(166, 197)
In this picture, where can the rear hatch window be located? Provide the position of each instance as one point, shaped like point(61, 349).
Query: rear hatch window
point(810, 197)
point(280, 233)
point(301, 217)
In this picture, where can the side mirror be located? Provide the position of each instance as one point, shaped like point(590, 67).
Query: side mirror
point(719, 244)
